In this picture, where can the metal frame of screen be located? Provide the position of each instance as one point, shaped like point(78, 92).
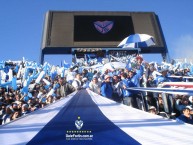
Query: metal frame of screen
point(58, 33)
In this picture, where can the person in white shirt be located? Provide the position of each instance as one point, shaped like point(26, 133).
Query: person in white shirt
point(95, 85)
point(77, 82)
point(70, 75)
point(8, 113)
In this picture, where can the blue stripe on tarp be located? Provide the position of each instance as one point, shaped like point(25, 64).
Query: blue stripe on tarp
point(95, 123)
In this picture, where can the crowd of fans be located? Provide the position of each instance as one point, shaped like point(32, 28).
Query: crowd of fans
point(113, 84)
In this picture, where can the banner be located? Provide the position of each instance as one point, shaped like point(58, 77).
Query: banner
point(85, 118)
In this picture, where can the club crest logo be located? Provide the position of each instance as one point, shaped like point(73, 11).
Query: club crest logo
point(79, 123)
point(103, 26)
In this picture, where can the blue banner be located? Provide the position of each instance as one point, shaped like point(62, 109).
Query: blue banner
point(81, 122)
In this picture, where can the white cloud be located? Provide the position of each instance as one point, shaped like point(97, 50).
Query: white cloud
point(182, 48)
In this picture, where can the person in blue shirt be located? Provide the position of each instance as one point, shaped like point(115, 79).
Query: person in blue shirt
point(185, 117)
point(163, 77)
point(134, 77)
point(127, 94)
point(86, 74)
point(106, 87)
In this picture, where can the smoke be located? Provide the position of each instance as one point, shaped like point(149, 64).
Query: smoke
point(182, 48)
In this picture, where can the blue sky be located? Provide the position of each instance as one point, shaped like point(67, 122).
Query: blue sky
point(21, 24)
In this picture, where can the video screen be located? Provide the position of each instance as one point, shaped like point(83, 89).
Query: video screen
point(102, 28)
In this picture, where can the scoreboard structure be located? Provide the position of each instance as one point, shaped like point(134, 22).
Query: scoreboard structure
point(66, 31)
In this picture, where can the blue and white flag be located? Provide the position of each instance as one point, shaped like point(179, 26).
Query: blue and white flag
point(41, 75)
point(14, 83)
point(129, 66)
point(66, 65)
point(96, 121)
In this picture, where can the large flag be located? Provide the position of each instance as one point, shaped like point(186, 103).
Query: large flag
point(85, 118)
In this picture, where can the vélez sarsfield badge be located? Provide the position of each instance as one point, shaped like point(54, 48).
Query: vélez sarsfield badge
point(103, 26)
point(79, 123)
